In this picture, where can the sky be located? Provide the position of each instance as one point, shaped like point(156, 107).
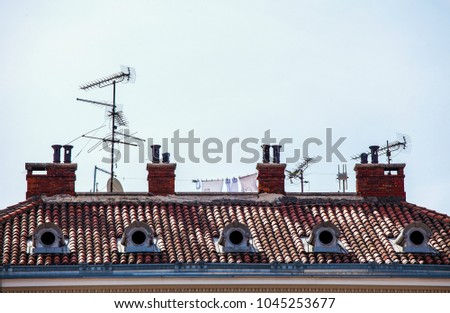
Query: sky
point(366, 70)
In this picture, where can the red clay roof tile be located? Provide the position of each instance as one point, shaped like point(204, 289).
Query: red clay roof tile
point(187, 232)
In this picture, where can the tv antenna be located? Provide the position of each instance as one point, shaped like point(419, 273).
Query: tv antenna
point(387, 149)
point(342, 177)
point(96, 168)
point(126, 75)
point(299, 171)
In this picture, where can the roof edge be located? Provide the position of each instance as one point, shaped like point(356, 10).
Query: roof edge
point(372, 270)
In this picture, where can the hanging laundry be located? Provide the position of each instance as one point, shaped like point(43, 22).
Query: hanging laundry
point(234, 185)
point(212, 185)
point(248, 183)
point(228, 184)
point(197, 183)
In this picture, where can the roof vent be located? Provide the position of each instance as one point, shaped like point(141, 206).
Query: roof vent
point(56, 153)
point(374, 154)
point(276, 153)
point(414, 239)
point(68, 153)
point(235, 237)
point(138, 237)
point(48, 238)
point(166, 157)
point(324, 238)
point(364, 158)
point(155, 153)
point(266, 153)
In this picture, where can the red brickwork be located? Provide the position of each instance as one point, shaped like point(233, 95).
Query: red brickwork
point(271, 178)
point(161, 178)
point(58, 179)
point(380, 180)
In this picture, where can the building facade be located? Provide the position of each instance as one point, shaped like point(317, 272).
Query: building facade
point(60, 240)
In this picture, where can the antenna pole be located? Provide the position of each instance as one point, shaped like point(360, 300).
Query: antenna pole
point(113, 135)
point(127, 74)
point(95, 178)
point(301, 180)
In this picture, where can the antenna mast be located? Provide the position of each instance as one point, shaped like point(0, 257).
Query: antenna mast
point(126, 75)
point(388, 149)
point(342, 177)
point(95, 189)
point(298, 172)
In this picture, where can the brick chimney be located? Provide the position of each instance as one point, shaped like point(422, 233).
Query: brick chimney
point(161, 176)
point(52, 178)
point(380, 180)
point(271, 175)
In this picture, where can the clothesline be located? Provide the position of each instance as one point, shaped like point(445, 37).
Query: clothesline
point(247, 184)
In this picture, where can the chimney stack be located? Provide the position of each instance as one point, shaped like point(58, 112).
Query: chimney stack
point(52, 178)
point(380, 180)
point(161, 176)
point(271, 175)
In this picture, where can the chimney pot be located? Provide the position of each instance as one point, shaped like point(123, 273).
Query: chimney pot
point(364, 157)
point(276, 153)
point(266, 153)
point(68, 153)
point(374, 154)
point(56, 153)
point(155, 153)
point(166, 157)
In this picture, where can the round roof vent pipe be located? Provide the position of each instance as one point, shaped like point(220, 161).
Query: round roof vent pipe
point(56, 153)
point(155, 153)
point(166, 157)
point(276, 153)
point(374, 154)
point(364, 158)
point(68, 153)
point(266, 153)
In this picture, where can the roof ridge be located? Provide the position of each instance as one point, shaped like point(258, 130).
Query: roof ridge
point(431, 213)
point(32, 201)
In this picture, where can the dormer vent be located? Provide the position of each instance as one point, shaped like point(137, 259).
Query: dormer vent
point(48, 238)
point(235, 237)
point(138, 237)
point(324, 238)
point(414, 239)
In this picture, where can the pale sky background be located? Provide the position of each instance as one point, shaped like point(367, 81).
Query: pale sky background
point(366, 69)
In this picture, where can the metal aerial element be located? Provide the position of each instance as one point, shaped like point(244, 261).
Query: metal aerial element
point(384, 150)
point(342, 177)
point(127, 74)
point(94, 188)
point(298, 172)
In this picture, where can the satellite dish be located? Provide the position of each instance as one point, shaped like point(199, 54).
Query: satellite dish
point(117, 186)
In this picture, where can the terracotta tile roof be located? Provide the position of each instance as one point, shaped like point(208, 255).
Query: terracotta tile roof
point(187, 230)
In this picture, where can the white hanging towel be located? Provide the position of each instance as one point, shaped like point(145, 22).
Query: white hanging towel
point(228, 183)
point(234, 185)
point(248, 183)
point(212, 185)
